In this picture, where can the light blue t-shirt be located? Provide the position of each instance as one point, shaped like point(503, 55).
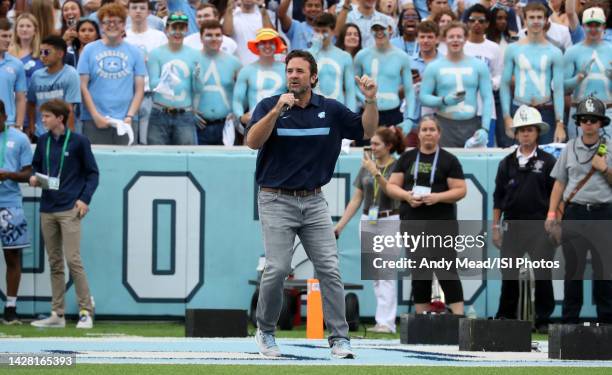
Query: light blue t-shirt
point(443, 77)
point(256, 82)
point(17, 155)
point(182, 65)
point(592, 60)
point(30, 65)
point(534, 67)
point(336, 75)
point(12, 79)
point(43, 87)
point(215, 84)
point(390, 69)
point(184, 7)
point(111, 71)
point(300, 35)
point(410, 48)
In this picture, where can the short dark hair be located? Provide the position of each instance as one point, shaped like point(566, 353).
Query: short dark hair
point(210, 24)
point(478, 8)
point(56, 42)
point(325, 20)
point(2, 109)
point(535, 7)
point(306, 56)
point(209, 5)
point(5, 25)
point(428, 26)
point(58, 107)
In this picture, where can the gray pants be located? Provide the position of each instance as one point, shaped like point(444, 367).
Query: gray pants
point(282, 218)
point(456, 132)
point(106, 136)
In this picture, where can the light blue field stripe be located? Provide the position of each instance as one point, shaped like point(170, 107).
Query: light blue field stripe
point(282, 132)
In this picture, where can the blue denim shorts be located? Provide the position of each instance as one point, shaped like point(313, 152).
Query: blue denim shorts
point(13, 228)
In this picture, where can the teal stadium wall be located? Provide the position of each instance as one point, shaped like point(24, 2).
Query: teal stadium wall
point(170, 230)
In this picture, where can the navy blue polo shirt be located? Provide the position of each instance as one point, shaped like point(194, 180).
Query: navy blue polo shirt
point(302, 150)
point(80, 175)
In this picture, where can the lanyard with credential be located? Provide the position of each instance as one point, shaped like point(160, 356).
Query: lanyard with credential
point(4, 142)
point(433, 167)
point(59, 173)
point(376, 187)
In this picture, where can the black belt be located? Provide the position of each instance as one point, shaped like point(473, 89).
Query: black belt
point(294, 193)
point(170, 110)
point(590, 206)
point(385, 213)
point(220, 121)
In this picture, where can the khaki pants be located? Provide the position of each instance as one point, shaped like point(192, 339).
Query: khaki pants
point(62, 235)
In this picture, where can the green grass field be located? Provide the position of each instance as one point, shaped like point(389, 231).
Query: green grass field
point(159, 329)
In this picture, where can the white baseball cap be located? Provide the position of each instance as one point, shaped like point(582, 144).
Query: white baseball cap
point(593, 15)
point(528, 116)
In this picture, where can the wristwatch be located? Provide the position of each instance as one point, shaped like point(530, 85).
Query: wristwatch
point(370, 101)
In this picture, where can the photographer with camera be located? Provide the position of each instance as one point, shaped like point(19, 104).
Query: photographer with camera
point(582, 197)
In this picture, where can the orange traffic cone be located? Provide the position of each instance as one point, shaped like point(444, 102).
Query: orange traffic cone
point(314, 311)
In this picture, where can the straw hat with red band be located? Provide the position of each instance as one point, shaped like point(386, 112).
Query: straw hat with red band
point(263, 35)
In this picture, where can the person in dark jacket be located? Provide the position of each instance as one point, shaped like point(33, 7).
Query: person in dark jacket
point(67, 171)
point(522, 192)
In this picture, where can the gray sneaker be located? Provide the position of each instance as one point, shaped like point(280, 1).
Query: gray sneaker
point(341, 348)
point(267, 344)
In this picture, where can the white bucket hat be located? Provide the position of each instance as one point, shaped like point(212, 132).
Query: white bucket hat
point(528, 116)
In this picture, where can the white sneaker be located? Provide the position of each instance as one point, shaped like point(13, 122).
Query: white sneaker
point(380, 328)
point(54, 321)
point(85, 320)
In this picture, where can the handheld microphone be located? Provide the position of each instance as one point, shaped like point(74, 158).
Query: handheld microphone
point(286, 107)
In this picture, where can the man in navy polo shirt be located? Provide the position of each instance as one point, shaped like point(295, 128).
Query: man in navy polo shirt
point(298, 135)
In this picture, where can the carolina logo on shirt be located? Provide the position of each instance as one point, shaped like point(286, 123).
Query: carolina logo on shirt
point(10, 144)
point(10, 70)
point(322, 114)
point(537, 166)
point(112, 65)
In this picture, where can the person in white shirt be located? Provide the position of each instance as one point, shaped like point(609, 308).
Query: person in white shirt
point(208, 12)
point(146, 39)
point(477, 45)
point(241, 24)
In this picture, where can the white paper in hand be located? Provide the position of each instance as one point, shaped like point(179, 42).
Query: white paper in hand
point(229, 134)
point(345, 147)
point(168, 79)
point(122, 129)
point(43, 180)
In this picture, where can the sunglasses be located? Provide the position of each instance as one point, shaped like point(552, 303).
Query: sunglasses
point(589, 119)
point(45, 52)
point(178, 17)
point(481, 21)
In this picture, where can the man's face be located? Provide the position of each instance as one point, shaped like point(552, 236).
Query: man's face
point(176, 32)
point(590, 125)
point(5, 40)
point(312, 9)
point(594, 30)
point(536, 20)
point(427, 41)
point(477, 22)
point(49, 55)
point(367, 4)
point(325, 32)
point(299, 79)
point(527, 135)
point(212, 39)
point(4, 6)
point(455, 39)
point(138, 11)
point(438, 5)
point(113, 27)
point(50, 121)
point(381, 35)
point(266, 48)
point(204, 15)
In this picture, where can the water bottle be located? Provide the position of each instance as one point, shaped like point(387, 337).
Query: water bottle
point(471, 313)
